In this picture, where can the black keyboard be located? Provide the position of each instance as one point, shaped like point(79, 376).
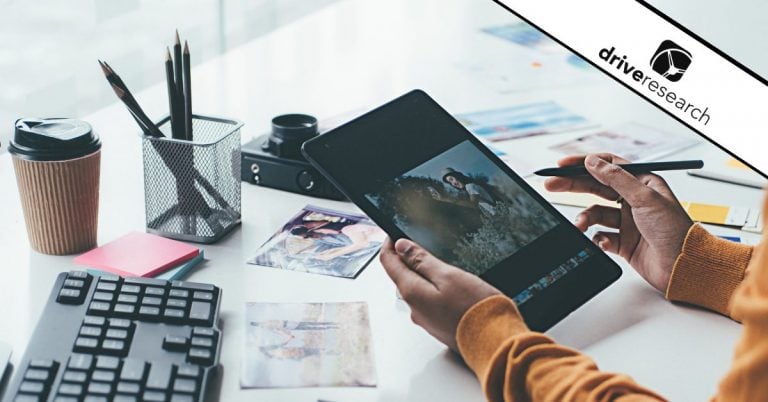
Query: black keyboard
point(119, 339)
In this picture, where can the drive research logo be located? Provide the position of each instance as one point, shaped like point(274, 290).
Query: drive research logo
point(671, 60)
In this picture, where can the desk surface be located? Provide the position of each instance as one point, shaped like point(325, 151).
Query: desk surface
point(357, 54)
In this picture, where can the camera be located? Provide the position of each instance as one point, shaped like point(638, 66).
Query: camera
point(274, 160)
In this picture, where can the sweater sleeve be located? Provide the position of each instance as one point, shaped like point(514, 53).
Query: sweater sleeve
point(515, 364)
point(708, 270)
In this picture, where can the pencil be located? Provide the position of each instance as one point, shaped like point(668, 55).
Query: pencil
point(187, 94)
point(122, 92)
point(178, 131)
point(172, 108)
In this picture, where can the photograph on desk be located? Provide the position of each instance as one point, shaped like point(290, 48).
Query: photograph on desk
point(464, 209)
point(322, 241)
point(307, 345)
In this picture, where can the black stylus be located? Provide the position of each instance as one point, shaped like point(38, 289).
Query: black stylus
point(634, 168)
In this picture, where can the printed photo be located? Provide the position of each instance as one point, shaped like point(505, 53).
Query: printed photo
point(322, 241)
point(307, 345)
point(464, 209)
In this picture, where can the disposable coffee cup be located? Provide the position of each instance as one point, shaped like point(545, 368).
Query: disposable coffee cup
point(57, 164)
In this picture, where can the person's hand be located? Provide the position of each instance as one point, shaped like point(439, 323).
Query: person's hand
point(438, 293)
point(651, 223)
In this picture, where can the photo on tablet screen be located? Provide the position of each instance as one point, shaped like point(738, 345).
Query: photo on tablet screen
point(463, 208)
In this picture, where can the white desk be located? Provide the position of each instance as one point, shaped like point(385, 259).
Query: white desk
point(353, 54)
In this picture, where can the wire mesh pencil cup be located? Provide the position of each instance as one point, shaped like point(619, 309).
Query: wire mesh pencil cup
point(192, 188)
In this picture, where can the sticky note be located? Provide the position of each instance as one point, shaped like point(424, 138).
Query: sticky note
point(736, 164)
point(717, 214)
point(138, 254)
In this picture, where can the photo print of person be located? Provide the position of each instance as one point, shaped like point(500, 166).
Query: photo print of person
point(464, 209)
point(322, 241)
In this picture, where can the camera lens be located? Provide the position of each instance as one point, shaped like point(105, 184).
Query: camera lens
point(289, 131)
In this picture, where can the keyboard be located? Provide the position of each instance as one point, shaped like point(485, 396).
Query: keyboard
point(108, 338)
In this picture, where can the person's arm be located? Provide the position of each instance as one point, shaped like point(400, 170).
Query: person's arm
point(708, 271)
point(514, 364)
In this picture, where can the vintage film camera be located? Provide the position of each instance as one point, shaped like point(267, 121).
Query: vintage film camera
point(275, 160)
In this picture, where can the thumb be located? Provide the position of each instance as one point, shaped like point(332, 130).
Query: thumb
point(629, 187)
point(418, 259)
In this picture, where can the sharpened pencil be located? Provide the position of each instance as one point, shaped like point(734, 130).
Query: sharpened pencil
point(173, 118)
point(178, 131)
point(187, 94)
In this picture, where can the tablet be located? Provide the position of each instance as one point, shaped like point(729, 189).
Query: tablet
point(419, 174)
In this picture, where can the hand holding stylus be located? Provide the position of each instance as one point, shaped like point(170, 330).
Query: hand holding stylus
point(651, 222)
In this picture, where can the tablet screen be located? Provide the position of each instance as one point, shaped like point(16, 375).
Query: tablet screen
point(463, 208)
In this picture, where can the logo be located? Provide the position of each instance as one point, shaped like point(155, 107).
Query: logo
point(670, 60)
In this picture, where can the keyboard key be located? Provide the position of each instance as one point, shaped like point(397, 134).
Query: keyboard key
point(99, 388)
point(133, 370)
point(179, 293)
point(151, 301)
point(109, 278)
point(70, 389)
point(107, 362)
point(119, 334)
point(182, 398)
point(124, 309)
point(200, 312)
point(98, 307)
point(60, 398)
point(173, 314)
point(32, 387)
point(94, 320)
point(127, 298)
point(26, 398)
point(103, 375)
point(86, 344)
point(203, 331)
point(150, 313)
point(128, 388)
point(176, 303)
point(69, 296)
point(205, 296)
point(74, 283)
point(200, 356)
point(159, 376)
point(154, 396)
point(124, 398)
point(75, 376)
point(193, 286)
point(44, 364)
point(130, 289)
point(119, 323)
point(95, 398)
point(106, 286)
point(113, 346)
point(87, 330)
point(153, 291)
point(175, 343)
point(184, 386)
point(103, 296)
point(79, 361)
point(145, 281)
point(204, 342)
point(188, 370)
point(37, 375)
point(78, 275)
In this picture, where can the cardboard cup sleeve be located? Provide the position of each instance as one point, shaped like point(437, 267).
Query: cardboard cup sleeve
point(61, 202)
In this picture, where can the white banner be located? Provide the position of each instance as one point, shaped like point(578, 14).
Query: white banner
point(663, 64)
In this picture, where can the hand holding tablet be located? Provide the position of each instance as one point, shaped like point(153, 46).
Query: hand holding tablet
point(434, 183)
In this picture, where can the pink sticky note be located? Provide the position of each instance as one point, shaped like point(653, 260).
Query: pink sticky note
point(138, 254)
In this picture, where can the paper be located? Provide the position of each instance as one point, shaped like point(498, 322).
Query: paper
point(522, 121)
point(322, 241)
point(631, 141)
point(138, 254)
point(307, 345)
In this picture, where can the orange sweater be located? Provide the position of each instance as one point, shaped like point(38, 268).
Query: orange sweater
point(515, 364)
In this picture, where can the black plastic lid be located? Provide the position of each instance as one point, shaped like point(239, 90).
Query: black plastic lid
point(53, 139)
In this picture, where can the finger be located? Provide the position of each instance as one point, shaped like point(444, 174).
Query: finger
point(629, 187)
point(571, 160)
point(608, 242)
point(580, 185)
point(658, 184)
point(406, 280)
point(598, 215)
point(419, 260)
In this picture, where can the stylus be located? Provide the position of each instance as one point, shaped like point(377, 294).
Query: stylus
point(634, 168)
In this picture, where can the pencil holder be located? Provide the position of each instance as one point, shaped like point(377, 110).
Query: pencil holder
point(192, 188)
